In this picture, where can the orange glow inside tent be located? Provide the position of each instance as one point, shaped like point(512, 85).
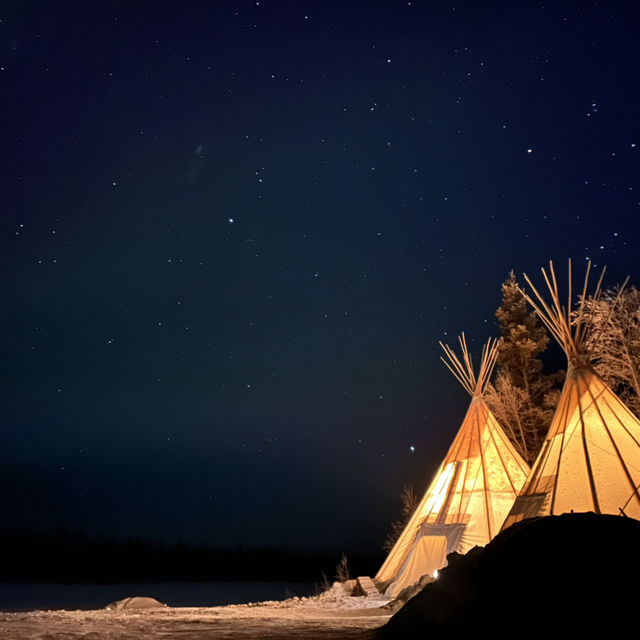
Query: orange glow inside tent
point(470, 495)
point(590, 459)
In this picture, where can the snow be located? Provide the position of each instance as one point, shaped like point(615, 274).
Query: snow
point(331, 614)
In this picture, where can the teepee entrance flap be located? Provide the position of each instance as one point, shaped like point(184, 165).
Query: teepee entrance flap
point(428, 554)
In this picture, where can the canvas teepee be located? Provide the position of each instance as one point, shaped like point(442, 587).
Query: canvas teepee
point(472, 492)
point(590, 459)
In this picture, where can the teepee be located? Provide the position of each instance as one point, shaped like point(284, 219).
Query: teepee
point(590, 459)
point(472, 492)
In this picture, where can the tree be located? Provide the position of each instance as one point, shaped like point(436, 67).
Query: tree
point(342, 570)
point(614, 341)
point(523, 398)
point(409, 501)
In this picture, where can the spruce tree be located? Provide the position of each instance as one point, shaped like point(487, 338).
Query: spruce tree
point(523, 398)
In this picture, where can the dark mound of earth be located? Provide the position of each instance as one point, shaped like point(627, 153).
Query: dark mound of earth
point(572, 573)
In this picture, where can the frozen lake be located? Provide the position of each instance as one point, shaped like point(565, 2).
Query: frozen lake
point(23, 597)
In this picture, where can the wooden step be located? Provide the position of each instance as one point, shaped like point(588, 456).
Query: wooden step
point(368, 588)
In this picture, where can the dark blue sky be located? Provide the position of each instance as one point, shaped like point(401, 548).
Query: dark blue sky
point(232, 234)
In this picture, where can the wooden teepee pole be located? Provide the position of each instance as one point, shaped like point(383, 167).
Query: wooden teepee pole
point(462, 368)
point(570, 333)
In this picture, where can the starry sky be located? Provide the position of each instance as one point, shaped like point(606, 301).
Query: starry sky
point(232, 234)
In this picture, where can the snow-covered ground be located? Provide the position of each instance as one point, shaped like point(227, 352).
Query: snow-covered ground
point(330, 615)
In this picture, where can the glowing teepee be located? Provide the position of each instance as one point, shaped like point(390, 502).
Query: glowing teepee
point(472, 492)
point(590, 459)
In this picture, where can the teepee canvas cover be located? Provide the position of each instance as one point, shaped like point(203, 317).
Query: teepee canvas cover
point(590, 459)
point(472, 492)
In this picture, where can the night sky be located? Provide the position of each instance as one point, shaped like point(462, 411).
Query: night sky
point(232, 234)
